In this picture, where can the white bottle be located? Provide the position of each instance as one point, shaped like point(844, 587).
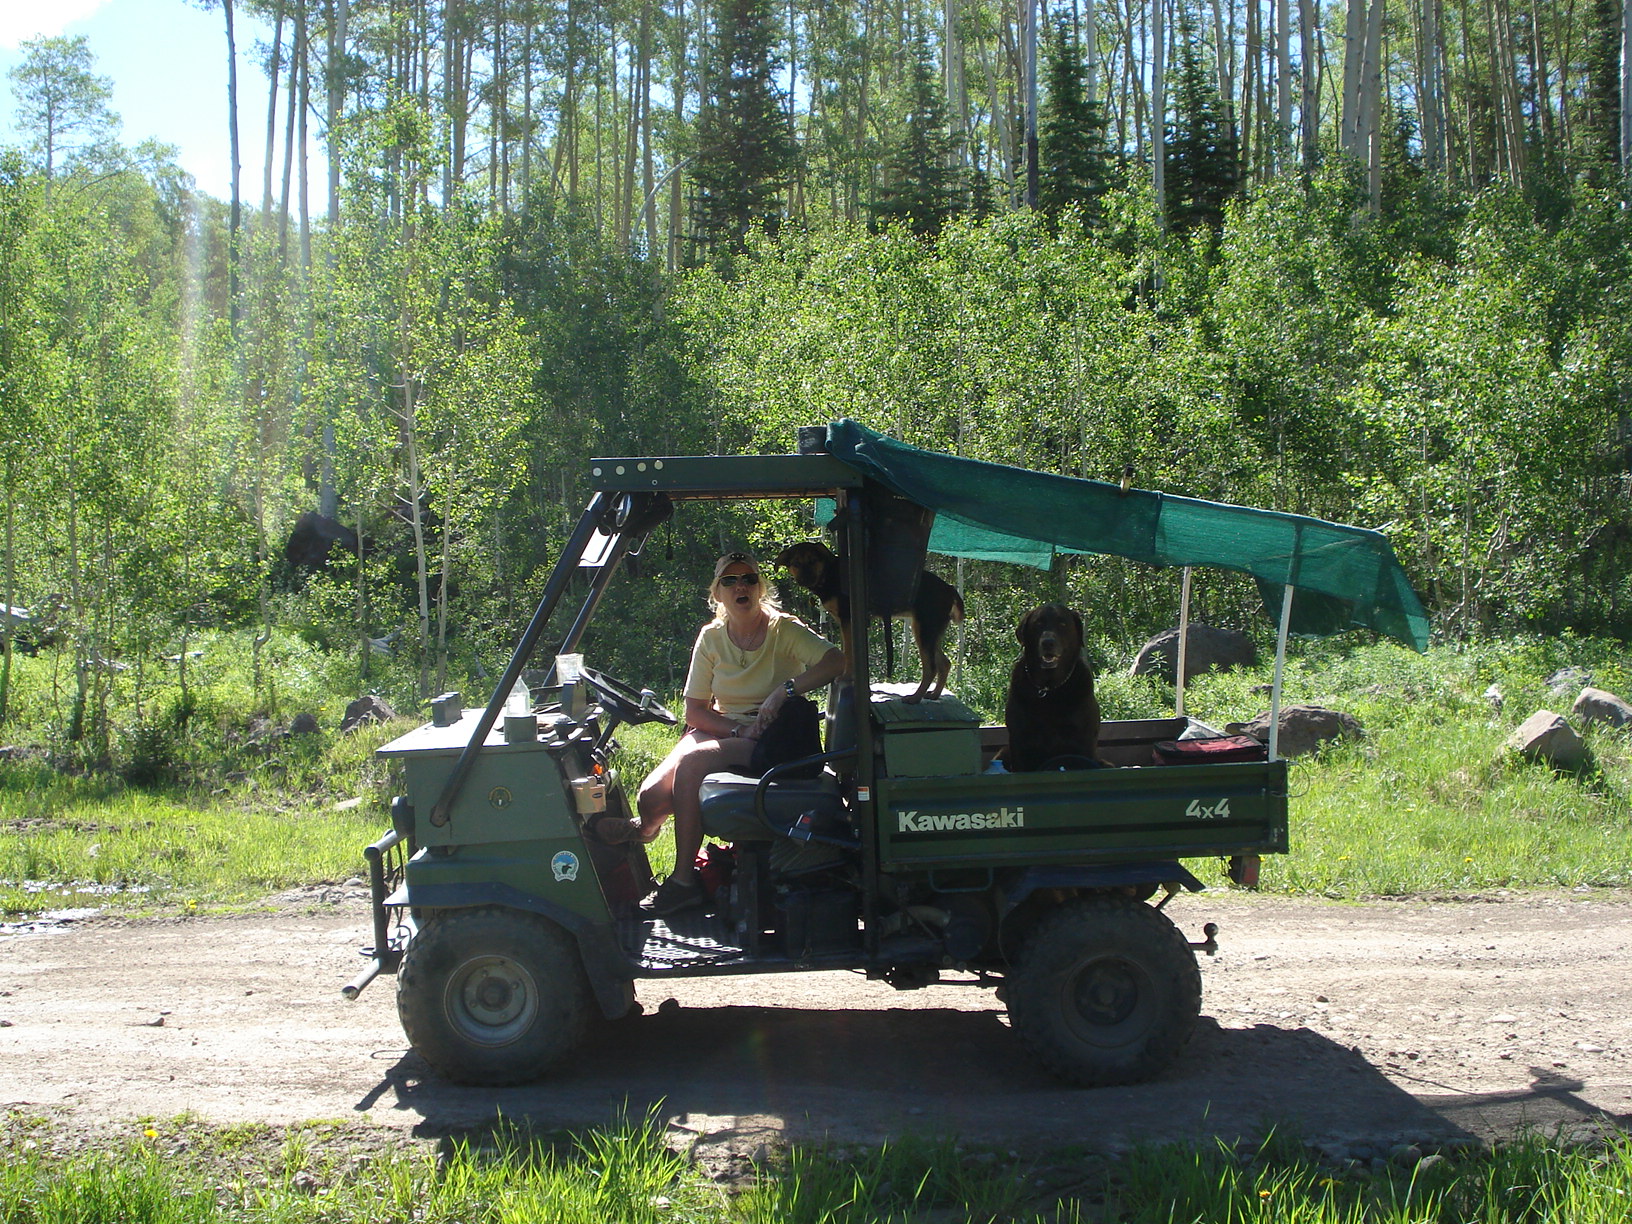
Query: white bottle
point(520, 700)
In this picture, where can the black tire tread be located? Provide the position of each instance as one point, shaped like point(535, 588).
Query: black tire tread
point(1131, 929)
point(442, 944)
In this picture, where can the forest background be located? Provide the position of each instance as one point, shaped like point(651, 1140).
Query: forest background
point(1367, 261)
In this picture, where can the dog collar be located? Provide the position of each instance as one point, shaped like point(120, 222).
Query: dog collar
point(1043, 690)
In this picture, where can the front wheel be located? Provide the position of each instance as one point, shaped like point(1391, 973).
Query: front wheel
point(492, 996)
point(1106, 991)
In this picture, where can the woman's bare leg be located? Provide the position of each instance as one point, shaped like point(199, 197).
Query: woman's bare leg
point(655, 803)
point(672, 789)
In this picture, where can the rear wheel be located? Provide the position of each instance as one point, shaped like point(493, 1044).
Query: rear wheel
point(492, 996)
point(1106, 991)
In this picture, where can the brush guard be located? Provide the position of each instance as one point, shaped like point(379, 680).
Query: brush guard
point(387, 860)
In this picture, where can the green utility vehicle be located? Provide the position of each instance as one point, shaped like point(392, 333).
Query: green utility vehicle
point(511, 927)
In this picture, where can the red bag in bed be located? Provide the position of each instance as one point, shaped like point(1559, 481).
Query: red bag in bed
point(1217, 751)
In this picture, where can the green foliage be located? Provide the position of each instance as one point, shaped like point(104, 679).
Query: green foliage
point(1074, 163)
point(922, 186)
point(61, 103)
point(1203, 158)
point(745, 151)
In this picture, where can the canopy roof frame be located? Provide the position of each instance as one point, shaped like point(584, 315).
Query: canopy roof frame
point(1341, 577)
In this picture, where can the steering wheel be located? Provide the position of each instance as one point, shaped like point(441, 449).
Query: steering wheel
point(626, 703)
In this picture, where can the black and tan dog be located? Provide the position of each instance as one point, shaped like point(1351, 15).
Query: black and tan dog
point(936, 605)
point(1052, 714)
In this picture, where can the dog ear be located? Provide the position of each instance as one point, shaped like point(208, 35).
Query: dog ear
point(1020, 629)
point(1077, 616)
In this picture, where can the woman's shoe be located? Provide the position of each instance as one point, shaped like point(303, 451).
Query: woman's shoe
point(613, 830)
point(674, 895)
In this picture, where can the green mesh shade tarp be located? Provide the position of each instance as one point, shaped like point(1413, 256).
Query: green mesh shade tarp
point(1343, 577)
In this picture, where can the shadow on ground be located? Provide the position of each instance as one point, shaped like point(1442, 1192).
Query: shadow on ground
point(744, 1074)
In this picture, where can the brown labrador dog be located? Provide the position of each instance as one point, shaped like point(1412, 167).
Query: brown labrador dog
point(1052, 714)
point(937, 604)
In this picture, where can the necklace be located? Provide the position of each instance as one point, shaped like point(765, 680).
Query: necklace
point(753, 639)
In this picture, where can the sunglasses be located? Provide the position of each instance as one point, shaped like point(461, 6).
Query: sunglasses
point(731, 580)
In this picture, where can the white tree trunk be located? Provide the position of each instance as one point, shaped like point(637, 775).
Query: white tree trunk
point(1090, 37)
point(336, 102)
point(1158, 109)
point(1354, 39)
point(1309, 109)
point(1283, 84)
point(1431, 105)
point(1626, 85)
point(1369, 138)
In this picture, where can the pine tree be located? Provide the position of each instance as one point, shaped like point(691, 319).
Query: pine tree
point(922, 186)
point(1075, 167)
point(745, 148)
point(1203, 154)
point(1602, 129)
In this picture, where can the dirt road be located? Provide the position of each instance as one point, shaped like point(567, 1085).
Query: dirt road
point(1351, 1025)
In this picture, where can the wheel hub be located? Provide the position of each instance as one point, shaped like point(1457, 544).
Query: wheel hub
point(491, 1000)
point(1106, 992)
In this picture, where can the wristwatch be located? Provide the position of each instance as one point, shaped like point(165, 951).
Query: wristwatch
point(787, 687)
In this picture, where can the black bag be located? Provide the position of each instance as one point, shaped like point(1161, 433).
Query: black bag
point(795, 732)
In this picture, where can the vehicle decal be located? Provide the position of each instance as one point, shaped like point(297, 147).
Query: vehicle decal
point(961, 822)
point(500, 797)
point(565, 867)
point(1201, 811)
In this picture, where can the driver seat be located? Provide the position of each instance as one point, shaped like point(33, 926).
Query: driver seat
point(802, 823)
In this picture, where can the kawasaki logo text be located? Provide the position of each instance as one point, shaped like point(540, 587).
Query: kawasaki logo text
point(961, 822)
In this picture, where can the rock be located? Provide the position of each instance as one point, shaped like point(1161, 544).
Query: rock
point(1567, 678)
point(1405, 1154)
point(1208, 648)
point(1303, 728)
point(303, 724)
point(1595, 705)
point(1545, 736)
point(366, 709)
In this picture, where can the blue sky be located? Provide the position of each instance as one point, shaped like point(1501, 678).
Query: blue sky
point(167, 60)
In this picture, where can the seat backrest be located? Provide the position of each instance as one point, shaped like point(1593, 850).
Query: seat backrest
point(841, 717)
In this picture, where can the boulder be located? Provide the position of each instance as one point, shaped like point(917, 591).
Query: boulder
point(1303, 728)
point(366, 709)
point(303, 724)
point(1208, 648)
point(1596, 705)
point(1565, 679)
point(1545, 736)
point(314, 537)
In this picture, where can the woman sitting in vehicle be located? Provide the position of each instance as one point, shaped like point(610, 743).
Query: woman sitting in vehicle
point(747, 661)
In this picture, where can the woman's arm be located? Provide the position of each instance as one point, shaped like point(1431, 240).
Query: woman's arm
point(702, 716)
point(818, 675)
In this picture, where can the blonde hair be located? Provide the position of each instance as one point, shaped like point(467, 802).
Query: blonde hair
point(767, 590)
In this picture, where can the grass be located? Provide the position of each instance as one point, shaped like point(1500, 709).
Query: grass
point(1427, 802)
point(183, 1171)
point(291, 818)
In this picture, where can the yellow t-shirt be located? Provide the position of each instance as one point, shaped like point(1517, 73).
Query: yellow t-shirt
point(735, 681)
